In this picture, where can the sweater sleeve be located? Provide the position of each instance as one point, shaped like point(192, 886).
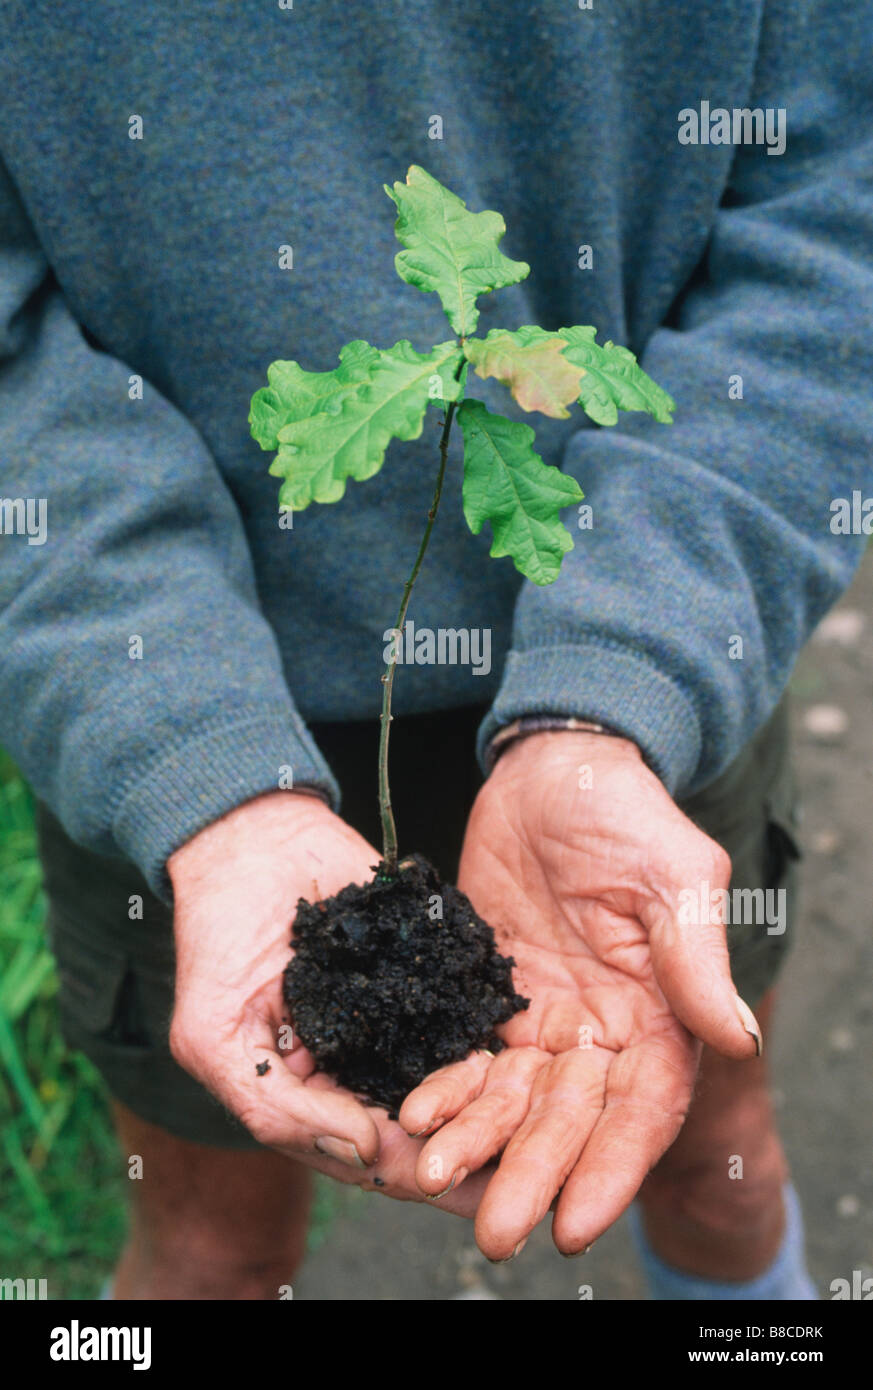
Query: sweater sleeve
point(141, 689)
point(720, 541)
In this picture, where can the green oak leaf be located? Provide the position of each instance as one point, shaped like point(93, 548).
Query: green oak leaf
point(531, 363)
point(294, 394)
point(613, 380)
point(507, 483)
point(448, 249)
point(318, 453)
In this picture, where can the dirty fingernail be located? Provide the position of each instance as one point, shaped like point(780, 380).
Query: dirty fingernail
point(460, 1175)
point(517, 1251)
point(457, 1178)
point(435, 1196)
point(751, 1024)
point(431, 1124)
point(343, 1150)
point(577, 1254)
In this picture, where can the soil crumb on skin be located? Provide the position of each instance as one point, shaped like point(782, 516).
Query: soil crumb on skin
point(382, 992)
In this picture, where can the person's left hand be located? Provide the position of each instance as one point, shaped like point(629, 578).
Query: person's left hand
point(236, 884)
point(581, 885)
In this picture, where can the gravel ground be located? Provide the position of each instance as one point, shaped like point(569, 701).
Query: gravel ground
point(820, 1049)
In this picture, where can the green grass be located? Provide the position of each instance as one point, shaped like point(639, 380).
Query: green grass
point(62, 1178)
point(63, 1215)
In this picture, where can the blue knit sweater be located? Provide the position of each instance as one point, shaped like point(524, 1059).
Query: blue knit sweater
point(741, 275)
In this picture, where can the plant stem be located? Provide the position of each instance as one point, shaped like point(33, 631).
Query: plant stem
point(389, 830)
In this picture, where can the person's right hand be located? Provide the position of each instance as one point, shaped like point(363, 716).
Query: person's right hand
point(236, 886)
point(583, 883)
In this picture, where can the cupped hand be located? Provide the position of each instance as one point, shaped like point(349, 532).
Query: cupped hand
point(236, 885)
point(579, 858)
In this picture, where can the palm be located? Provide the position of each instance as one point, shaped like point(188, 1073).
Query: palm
point(600, 997)
point(600, 1025)
point(597, 1076)
point(582, 955)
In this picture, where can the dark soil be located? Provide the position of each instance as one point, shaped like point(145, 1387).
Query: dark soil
point(382, 992)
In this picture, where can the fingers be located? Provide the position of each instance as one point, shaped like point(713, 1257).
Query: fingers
point(292, 1117)
point(484, 1125)
point(397, 1168)
point(277, 1107)
point(442, 1094)
point(393, 1173)
point(647, 1095)
point(397, 1180)
point(688, 944)
point(566, 1100)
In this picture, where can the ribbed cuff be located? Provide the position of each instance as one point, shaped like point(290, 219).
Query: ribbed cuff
point(199, 779)
point(609, 685)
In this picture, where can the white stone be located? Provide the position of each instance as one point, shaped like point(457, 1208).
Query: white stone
point(825, 721)
point(844, 626)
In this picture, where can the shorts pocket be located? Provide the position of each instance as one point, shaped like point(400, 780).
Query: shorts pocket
point(783, 847)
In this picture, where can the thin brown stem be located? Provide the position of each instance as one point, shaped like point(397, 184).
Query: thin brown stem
point(389, 830)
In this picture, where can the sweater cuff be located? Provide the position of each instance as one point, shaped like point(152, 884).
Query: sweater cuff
point(609, 685)
point(202, 777)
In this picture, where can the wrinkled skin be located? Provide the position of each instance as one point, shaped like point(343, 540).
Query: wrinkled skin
point(235, 886)
point(581, 884)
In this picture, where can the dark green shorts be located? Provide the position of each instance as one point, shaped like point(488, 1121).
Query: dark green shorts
point(116, 975)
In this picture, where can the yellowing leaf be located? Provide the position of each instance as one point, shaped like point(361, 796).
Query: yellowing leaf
point(507, 483)
point(449, 250)
point(529, 361)
point(613, 379)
